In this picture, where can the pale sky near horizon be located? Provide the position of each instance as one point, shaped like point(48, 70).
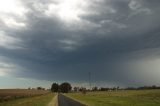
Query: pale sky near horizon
point(45, 41)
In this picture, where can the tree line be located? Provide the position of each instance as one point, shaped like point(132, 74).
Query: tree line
point(63, 87)
point(127, 88)
point(66, 87)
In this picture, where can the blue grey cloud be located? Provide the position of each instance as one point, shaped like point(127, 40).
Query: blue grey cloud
point(64, 40)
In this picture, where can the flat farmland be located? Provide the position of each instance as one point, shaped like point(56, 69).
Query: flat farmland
point(9, 94)
point(119, 98)
point(42, 100)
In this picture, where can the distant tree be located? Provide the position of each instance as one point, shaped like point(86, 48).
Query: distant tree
point(65, 87)
point(95, 89)
point(132, 88)
point(102, 89)
point(76, 89)
point(148, 87)
point(54, 87)
point(118, 87)
point(40, 88)
point(83, 90)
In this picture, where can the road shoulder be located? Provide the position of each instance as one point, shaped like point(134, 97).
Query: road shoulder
point(54, 101)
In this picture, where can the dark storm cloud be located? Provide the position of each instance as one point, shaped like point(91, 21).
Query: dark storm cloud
point(107, 41)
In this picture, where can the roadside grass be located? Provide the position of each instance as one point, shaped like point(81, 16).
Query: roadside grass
point(42, 100)
point(119, 98)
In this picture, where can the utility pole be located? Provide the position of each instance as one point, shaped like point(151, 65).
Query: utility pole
point(89, 75)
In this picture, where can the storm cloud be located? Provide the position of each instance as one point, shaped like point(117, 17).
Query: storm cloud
point(63, 40)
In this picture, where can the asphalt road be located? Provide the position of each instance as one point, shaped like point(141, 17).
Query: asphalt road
point(66, 101)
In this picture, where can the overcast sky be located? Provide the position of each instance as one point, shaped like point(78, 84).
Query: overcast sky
point(118, 41)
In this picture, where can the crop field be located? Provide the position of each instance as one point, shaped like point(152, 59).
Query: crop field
point(10, 94)
point(41, 100)
point(119, 98)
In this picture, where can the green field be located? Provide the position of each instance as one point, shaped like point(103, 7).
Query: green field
point(119, 98)
point(42, 100)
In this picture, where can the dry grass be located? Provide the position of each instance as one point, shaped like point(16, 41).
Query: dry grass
point(42, 100)
point(9, 94)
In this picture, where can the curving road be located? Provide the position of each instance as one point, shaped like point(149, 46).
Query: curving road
point(66, 101)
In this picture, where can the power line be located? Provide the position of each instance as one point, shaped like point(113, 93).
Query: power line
point(89, 75)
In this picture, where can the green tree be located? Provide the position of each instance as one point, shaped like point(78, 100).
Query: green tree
point(65, 87)
point(54, 87)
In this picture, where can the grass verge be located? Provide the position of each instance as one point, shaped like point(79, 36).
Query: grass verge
point(119, 98)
